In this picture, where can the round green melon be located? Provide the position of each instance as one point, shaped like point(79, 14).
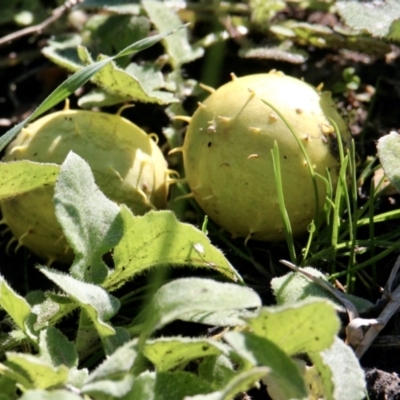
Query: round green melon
point(127, 164)
point(228, 161)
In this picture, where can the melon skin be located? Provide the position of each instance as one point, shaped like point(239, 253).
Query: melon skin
point(228, 161)
point(127, 164)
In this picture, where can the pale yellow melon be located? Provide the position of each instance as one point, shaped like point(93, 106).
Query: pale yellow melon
point(127, 165)
point(228, 161)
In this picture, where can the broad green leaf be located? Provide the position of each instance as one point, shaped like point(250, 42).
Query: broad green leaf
point(53, 395)
point(55, 348)
point(8, 388)
point(168, 353)
point(193, 295)
point(90, 221)
point(87, 337)
point(125, 84)
point(39, 373)
point(389, 156)
point(261, 352)
point(240, 383)
point(262, 11)
point(112, 343)
point(306, 326)
point(158, 239)
point(178, 49)
point(117, 364)
point(217, 370)
point(23, 176)
point(340, 373)
point(379, 18)
point(107, 33)
point(51, 309)
point(113, 388)
point(15, 305)
point(99, 304)
point(100, 98)
point(232, 318)
point(293, 287)
point(75, 81)
point(166, 385)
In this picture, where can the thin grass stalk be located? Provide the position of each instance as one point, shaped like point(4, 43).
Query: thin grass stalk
point(281, 201)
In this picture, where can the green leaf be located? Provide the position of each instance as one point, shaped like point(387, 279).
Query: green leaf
point(117, 364)
point(107, 33)
point(168, 353)
point(90, 221)
point(217, 370)
point(113, 388)
point(157, 239)
point(8, 388)
point(178, 48)
point(241, 383)
point(379, 18)
point(232, 318)
point(23, 176)
point(99, 304)
point(15, 305)
point(46, 395)
point(124, 84)
point(389, 155)
point(306, 326)
point(340, 372)
point(193, 295)
point(75, 81)
point(261, 352)
point(37, 373)
point(55, 348)
point(166, 385)
point(293, 287)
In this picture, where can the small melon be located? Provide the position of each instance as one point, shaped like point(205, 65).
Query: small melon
point(127, 165)
point(228, 161)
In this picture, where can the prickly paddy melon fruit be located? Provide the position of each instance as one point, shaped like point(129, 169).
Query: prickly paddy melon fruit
point(127, 165)
point(228, 161)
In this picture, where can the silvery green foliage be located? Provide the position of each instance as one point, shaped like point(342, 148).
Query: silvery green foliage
point(380, 18)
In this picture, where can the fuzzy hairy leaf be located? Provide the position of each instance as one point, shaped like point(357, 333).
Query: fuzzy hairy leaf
point(379, 18)
point(168, 353)
point(90, 221)
point(293, 287)
point(117, 364)
point(339, 372)
point(261, 352)
point(158, 239)
point(240, 383)
point(125, 83)
point(193, 295)
point(23, 176)
point(15, 305)
point(217, 370)
point(166, 385)
point(46, 395)
point(99, 305)
point(178, 47)
point(302, 327)
point(389, 155)
point(36, 372)
point(56, 348)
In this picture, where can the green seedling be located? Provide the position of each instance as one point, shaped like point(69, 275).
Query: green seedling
point(127, 164)
point(228, 162)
